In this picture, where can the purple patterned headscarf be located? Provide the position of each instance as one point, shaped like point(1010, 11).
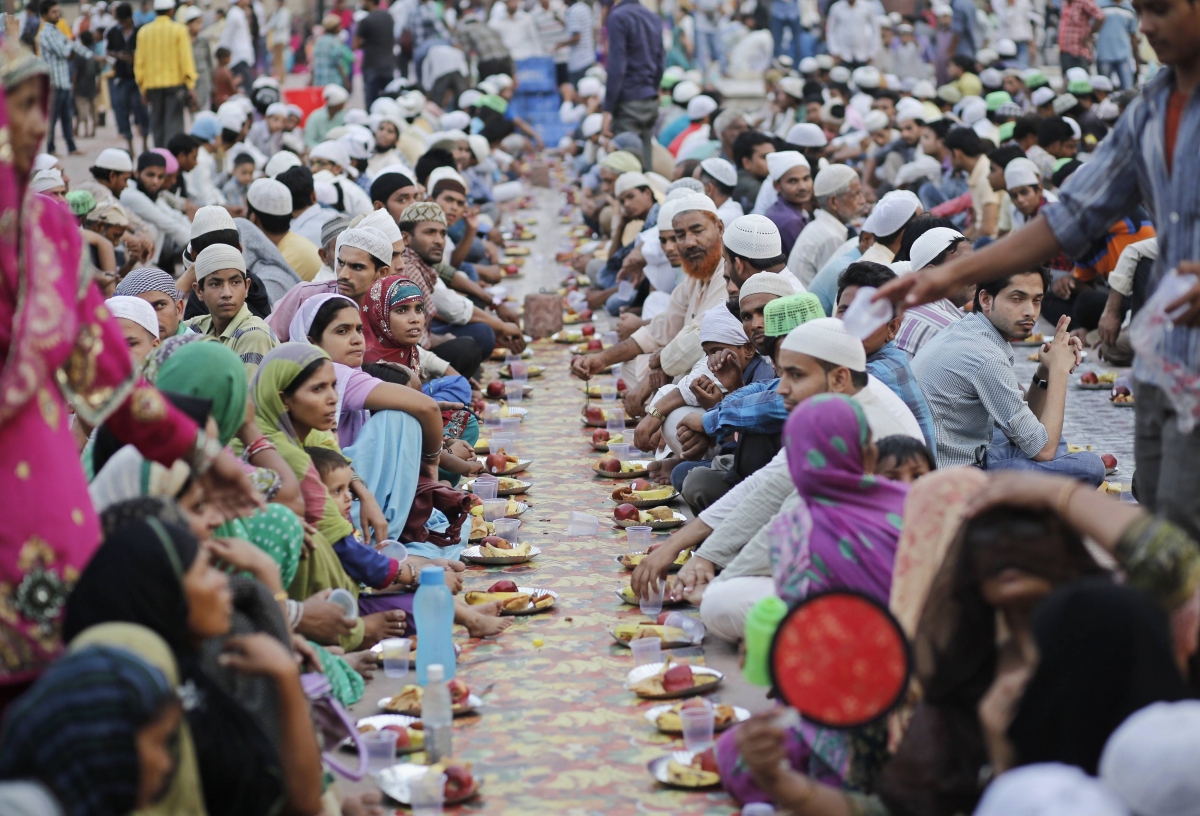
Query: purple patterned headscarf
point(844, 532)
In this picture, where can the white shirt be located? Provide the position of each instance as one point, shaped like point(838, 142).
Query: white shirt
point(310, 223)
point(819, 239)
point(728, 211)
point(163, 220)
point(1015, 23)
point(452, 307)
point(355, 200)
point(851, 32)
point(518, 31)
point(201, 181)
point(236, 37)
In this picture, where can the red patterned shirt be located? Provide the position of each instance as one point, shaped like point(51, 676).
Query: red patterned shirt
point(1075, 27)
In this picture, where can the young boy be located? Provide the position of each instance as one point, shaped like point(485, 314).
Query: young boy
point(86, 73)
point(225, 82)
point(335, 471)
point(903, 459)
point(243, 174)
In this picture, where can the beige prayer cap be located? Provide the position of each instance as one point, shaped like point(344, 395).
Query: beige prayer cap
point(218, 257)
point(420, 211)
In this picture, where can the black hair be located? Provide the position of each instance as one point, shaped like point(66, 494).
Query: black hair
point(746, 143)
point(1026, 126)
point(994, 287)
point(687, 167)
point(964, 62)
point(1063, 173)
point(86, 38)
point(863, 273)
point(722, 188)
point(432, 160)
point(386, 373)
point(966, 140)
point(757, 263)
point(326, 460)
point(45, 6)
point(903, 448)
point(914, 229)
point(181, 143)
point(325, 315)
point(230, 137)
point(857, 378)
point(1054, 129)
point(241, 158)
point(151, 159)
point(940, 127)
point(221, 52)
point(299, 180)
point(102, 173)
point(123, 11)
point(268, 222)
point(304, 376)
point(1001, 156)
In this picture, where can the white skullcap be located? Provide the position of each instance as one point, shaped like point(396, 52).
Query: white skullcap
point(866, 77)
point(908, 109)
point(674, 72)
point(826, 339)
point(754, 236)
point(356, 116)
point(720, 169)
point(270, 197)
point(44, 181)
point(700, 106)
point(455, 120)
point(628, 181)
point(335, 95)
point(1149, 761)
point(808, 65)
point(942, 10)
point(695, 201)
point(792, 86)
point(991, 78)
point(986, 56)
point(135, 309)
point(370, 240)
point(1048, 789)
point(839, 74)
point(479, 147)
point(358, 141)
point(666, 213)
point(164, 5)
point(466, 99)
point(920, 168)
point(1042, 96)
point(1006, 48)
point(592, 124)
point(382, 220)
point(210, 219)
point(924, 90)
point(231, 118)
point(891, 213)
point(1075, 131)
point(1108, 111)
point(824, 61)
point(334, 152)
point(1021, 173)
point(930, 245)
point(277, 109)
point(327, 193)
point(684, 92)
point(875, 121)
point(900, 267)
point(1064, 103)
point(806, 134)
point(489, 86)
point(189, 13)
point(45, 161)
point(782, 161)
point(1076, 74)
point(217, 257)
point(833, 179)
point(440, 174)
point(766, 283)
point(590, 86)
point(283, 160)
point(1101, 83)
point(717, 325)
point(503, 80)
point(972, 109)
point(113, 158)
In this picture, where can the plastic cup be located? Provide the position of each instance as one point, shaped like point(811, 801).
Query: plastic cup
point(581, 524)
point(514, 392)
point(614, 420)
point(697, 728)
point(651, 605)
point(508, 529)
point(506, 442)
point(610, 338)
point(607, 388)
point(428, 794)
point(345, 600)
point(394, 654)
point(616, 371)
point(491, 415)
point(394, 549)
point(863, 316)
point(619, 450)
point(519, 369)
point(381, 748)
point(691, 627)
point(511, 357)
point(646, 651)
point(511, 425)
point(638, 537)
point(494, 509)
point(485, 487)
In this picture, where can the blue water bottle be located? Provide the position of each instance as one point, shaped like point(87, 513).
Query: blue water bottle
point(433, 610)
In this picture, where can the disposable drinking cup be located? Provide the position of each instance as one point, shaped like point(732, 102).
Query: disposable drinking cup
point(608, 389)
point(514, 391)
point(511, 357)
point(501, 441)
point(626, 290)
point(646, 651)
point(494, 509)
point(507, 529)
point(519, 369)
point(697, 728)
point(381, 748)
point(619, 450)
point(638, 537)
point(428, 794)
point(491, 415)
point(581, 524)
point(345, 600)
point(616, 371)
point(691, 627)
point(610, 338)
point(614, 420)
point(651, 605)
point(394, 549)
point(394, 654)
point(485, 487)
point(511, 425)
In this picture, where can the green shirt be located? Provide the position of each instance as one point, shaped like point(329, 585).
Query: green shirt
point(249, 336)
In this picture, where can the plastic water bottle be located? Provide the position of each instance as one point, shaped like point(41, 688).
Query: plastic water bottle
point(433, 610)
point(437, 719)
point(863, 317)
point(761, 623)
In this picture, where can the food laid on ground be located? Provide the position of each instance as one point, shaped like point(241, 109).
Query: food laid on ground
point(512, 509)
point(517, 250)
point(1091, 381)
point(409, 734)
point(498, 557)
point(1121, 395)
point(507, 411)
point(495, 390)
point(627, 515)
point(641, 496)
point(530, 370)
point(571, 317)
point(568, 336)
point(672, 679)
point(629, 632)
point(506, 486)
point(612, 467)
point(513, 600)
point(601, 437)
point(627, 595)
point(591, 346)
point(502, 463)
point(496, 547)
point(460, 783)
point(408, 701)
point(480, 528)
point(700, 772)
point(594, 416)
point(631, 560)
point(668, 720)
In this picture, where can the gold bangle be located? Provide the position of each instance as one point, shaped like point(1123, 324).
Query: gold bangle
point(281, 596)
point(1064, 497)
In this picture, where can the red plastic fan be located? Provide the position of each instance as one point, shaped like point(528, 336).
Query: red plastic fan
point(840, 659)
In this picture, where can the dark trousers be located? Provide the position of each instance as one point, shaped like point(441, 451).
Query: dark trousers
point(127, 102)
point(638, 116)
point(62, 109)
point(246, 71)
point(462, 353)
point(166, 112)
point(1168, 460)
point(1084, 308)
point(480, 333)
point(373, 85)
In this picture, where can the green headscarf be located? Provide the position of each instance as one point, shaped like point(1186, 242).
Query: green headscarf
point(210, 371)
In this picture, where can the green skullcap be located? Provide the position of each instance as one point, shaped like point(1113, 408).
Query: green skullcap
point(783, 314)
point(997, 98)
point(81, 202)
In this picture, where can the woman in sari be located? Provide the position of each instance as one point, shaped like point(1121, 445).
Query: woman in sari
point(841, 534)
point(62, 352)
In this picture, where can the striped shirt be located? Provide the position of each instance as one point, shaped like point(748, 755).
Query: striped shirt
point(966, 374)
point(890, 366)
point(249, 336)
point(579, 21)
point(922, 322)
point(56, 50)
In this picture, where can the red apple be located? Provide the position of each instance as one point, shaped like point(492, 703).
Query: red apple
point(512, 269)
point(1109, 461)
point(496, 463)
point(678, 678)
point(653, 547)
point(694, 702)
point(1120, 390)
point(621, 386)
point(586, 314)
point(594, 344)
point(458, 691)
point(599, 435)
point(609, 464)
point(458, 781)
point(641, 484)
point(588, 330)
point(626, 512)
point(662, 618)
point(708, 761)
point(593, 414)
point(402, 739)
point(1089, 378)
point(495, 389)
point(503, 586)
point(497, 542)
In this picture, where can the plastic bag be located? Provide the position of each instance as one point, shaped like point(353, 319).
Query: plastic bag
point(1152, 333)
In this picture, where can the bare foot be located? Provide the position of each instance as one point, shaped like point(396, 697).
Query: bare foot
point(363, 804)
point(660, 470)
point(484, 620)
point(364, 662)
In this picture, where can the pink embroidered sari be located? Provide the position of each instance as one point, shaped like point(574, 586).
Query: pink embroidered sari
point(61, 351)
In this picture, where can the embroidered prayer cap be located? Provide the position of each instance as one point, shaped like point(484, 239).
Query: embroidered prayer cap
point(717, 325)
point(781, 161)
point(281, 161)
point(930, 245)
point(210, 219)
point(420, 211)
point(783, 314)
point(81, 202)
point(382, 220)
point(1064, 103)
point(270, 197)
point(148, 279)
point(766, 283)
point(806, 134)
point(334, 227)
point(113, 158)
point(369, 240)
point(720, 169)
point(622, 161)
point(1021, 173)
point(833, 180)
point(629, 181)
point(335, 94)
point(891, 212)
point(217, 257)
point(755, 237)
point(135, 309)
point(687, 184)
point(826, 339)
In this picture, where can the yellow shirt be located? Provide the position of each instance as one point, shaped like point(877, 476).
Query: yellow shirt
point(163, 58)
point(301, 255)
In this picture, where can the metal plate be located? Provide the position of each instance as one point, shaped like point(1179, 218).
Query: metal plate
point(658, 769)
point(676, 520)
point(471, 555)
point(633, 474)
point(531, 610)
point(465, 487)
point(517, 468)
point(651, 669)
point(394, 782)
point(473, 702)
point(652, 714)
point(521, 508)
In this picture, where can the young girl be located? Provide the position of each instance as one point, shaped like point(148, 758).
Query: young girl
point(903, 459)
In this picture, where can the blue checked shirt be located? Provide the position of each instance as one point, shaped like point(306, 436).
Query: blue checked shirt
point(755, 408)
point(56, 51)
point(890, 366)
point(1130, 168)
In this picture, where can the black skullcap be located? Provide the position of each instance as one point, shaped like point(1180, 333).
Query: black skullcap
point(386, 184)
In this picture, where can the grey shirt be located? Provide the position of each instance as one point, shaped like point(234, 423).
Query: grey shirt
point(265, 261)
point(966, 374)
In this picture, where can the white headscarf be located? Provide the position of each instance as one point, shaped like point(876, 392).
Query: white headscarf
point(302, 320)
point(719, 326)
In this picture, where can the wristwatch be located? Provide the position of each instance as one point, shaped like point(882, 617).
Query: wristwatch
point(654, 412)
point(1040, 383)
